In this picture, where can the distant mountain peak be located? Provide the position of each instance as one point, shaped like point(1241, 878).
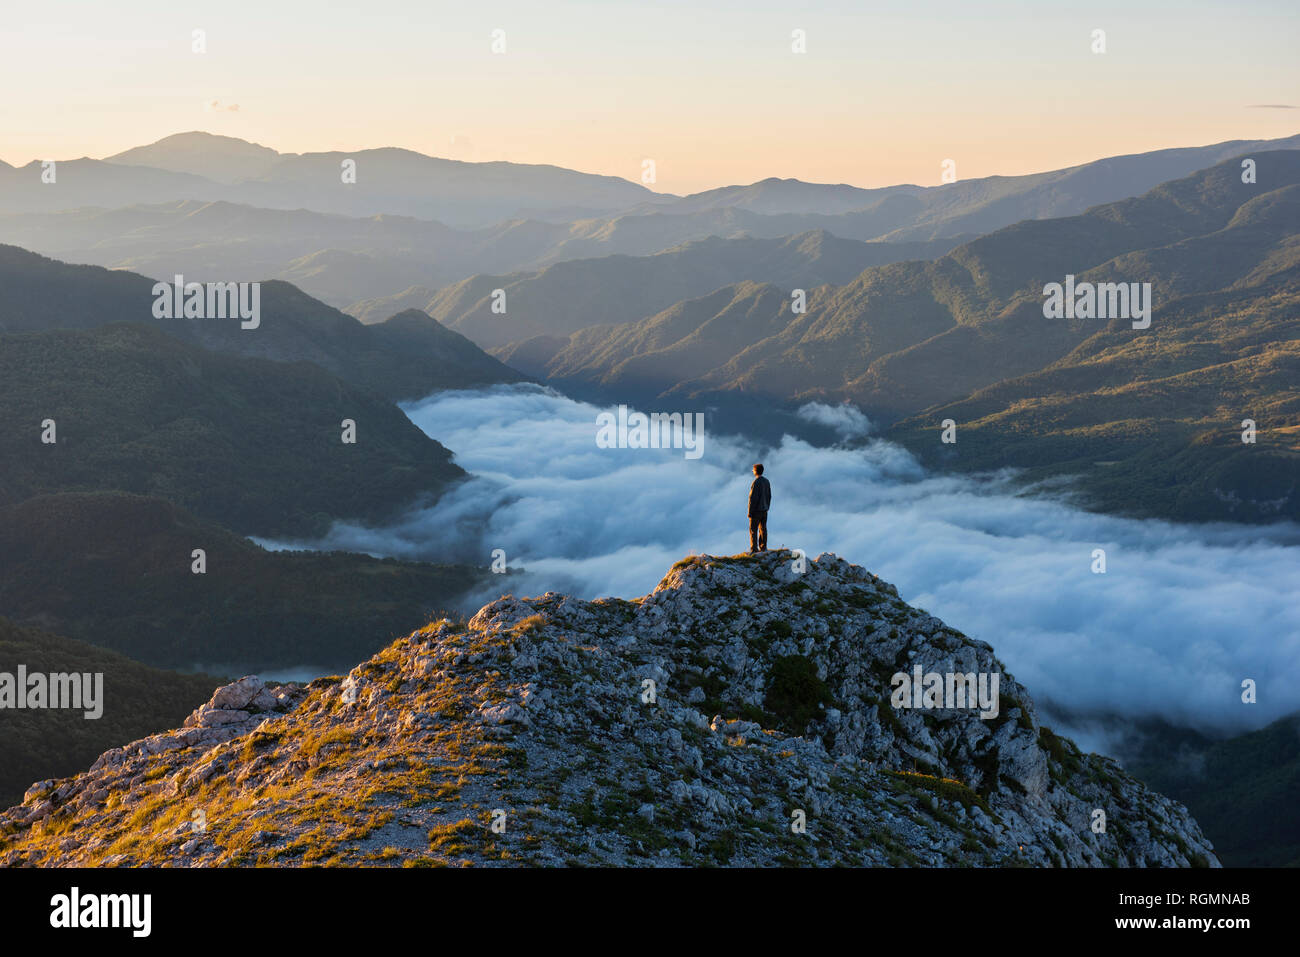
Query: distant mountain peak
point(206, 140)
point(222, 159)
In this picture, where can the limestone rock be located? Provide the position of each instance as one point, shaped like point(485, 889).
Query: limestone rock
point(536, 709)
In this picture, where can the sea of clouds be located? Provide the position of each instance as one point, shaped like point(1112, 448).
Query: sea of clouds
point(1182, 615)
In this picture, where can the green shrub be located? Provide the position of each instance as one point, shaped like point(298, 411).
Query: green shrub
point(795, 694)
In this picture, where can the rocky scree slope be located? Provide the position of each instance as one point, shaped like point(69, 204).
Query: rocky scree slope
point(772, 697)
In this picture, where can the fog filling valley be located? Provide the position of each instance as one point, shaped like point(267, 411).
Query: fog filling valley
point(1180, 617)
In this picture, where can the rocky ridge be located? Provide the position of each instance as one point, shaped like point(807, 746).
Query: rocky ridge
point(740, 714)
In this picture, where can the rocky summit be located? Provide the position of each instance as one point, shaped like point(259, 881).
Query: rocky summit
point(749, 711)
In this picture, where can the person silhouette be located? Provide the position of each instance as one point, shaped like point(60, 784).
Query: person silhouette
point(760, 499)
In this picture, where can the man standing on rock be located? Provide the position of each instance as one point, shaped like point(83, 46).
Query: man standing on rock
point(760, 497)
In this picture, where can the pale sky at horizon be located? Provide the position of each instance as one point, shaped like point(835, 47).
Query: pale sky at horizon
point(708, 89)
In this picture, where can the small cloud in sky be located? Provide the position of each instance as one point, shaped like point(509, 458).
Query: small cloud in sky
point(1271, 106)
point(847, 420)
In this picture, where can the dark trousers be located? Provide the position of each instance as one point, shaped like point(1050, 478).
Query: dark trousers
point(758, 531)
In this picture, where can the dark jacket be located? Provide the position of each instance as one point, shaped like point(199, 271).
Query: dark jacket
point(760, 495)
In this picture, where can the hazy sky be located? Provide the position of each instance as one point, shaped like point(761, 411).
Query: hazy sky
point(709, 89)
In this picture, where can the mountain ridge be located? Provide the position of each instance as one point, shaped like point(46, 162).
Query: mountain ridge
point(405, 360)
point(114, 570)
point(916, 344)
point(225, 436)
point(563, 225)
point(556, 731)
